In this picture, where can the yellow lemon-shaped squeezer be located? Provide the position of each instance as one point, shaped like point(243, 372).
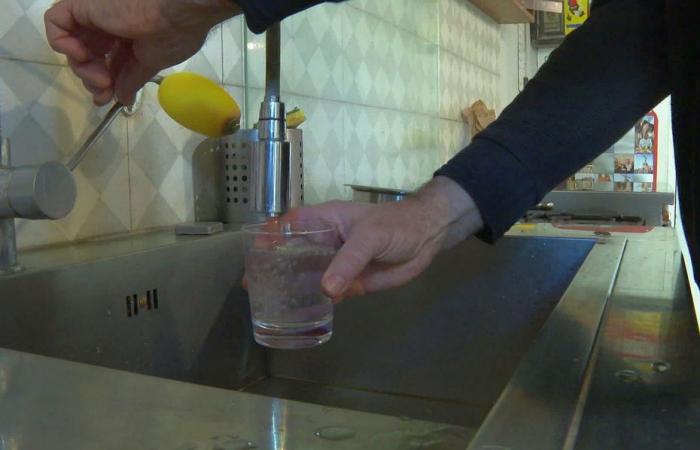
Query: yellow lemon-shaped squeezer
point(199, 104)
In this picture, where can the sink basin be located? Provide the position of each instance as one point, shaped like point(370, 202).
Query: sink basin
point(440, 349)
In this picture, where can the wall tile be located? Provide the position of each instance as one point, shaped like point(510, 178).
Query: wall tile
point(47, 114)
point(160, 158)
point(420, 17)
point(22, 32)
point(312, 59)
point(387, 66)
point(469, 33)
point(462, 83)
point(233, 51)
point(454, 136)
point(390, 149)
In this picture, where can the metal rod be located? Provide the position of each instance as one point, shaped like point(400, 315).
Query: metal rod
point(5, 158)
point(272, 71)
point(8, 247)
point(8, 238)
point(95, 136)
point(244, 102)
point(103, 126)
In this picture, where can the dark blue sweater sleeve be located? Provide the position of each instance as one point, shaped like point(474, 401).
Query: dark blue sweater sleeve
point(592, 90)
point(260, 14)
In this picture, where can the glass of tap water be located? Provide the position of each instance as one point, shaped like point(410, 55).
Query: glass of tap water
point(284, 267)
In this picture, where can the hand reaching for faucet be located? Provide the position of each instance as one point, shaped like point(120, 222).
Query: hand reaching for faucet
point(115, 47)
point(387, 245)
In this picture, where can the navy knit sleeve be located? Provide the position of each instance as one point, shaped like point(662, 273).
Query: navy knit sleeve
point(592, 90)
point(260, 14)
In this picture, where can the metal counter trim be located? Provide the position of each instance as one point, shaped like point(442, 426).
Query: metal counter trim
point(537, 409)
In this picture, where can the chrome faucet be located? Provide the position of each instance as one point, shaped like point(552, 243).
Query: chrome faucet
point(44, 191)
point(271, 158)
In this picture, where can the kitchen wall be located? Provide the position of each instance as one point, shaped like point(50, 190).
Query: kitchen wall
point(382, 84)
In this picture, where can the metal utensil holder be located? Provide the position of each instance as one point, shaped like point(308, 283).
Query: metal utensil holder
point(237, 172)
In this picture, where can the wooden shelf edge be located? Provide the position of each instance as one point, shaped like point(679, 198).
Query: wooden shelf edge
point(505, 11)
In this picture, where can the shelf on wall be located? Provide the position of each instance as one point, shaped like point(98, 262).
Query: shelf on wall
point(505, 11)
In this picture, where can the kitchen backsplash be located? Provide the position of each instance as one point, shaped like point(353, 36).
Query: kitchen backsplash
point(382, 84)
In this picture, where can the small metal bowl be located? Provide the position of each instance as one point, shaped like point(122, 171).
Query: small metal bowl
point(369, 194)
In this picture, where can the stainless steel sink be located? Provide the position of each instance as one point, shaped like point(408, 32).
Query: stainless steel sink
point(441, 349)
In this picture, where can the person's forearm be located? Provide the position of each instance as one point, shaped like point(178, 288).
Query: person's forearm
point(586, 97)
point(454, 209)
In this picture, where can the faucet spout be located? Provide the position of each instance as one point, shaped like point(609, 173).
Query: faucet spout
point(272, 156)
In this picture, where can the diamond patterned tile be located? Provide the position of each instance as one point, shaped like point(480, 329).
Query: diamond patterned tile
point(88, 198)
point(160, 166)
point(46, 114)
point(142, 194)
point(38, 233)
point(312, 57)
point(233, 48)
point(387, 66)
point(454, 136)
point(467, 32)
point(381, 144)
point(22, 33)
point(419, 17)
point(462, 83)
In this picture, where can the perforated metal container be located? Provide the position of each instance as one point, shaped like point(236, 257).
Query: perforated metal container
point(237, 193)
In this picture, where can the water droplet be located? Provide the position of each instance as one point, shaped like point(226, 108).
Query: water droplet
point(238, 444)
point(335, 433)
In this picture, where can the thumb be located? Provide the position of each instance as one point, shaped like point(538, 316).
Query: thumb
point(348, 264)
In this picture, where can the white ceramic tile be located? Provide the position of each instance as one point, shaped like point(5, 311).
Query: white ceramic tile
point(454, 136)
point(389, 148)
point(469, 33)
point(160, 156)
point(38, 233)
point(387, 66)
point(87, 199)
point(22, 32)
point(419, 17)
point(237, 92)
point(311, 58)
point(462, 83)
point(47, 115)
point(142, 194)
point(233, 48)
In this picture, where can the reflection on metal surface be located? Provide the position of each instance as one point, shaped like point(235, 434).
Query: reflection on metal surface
point(278, 430)
point(539, 404)
point(627, 376)
point(335, 433)
point(75, 407)
point(9, 442)
point(4, 375)
point(649, 332)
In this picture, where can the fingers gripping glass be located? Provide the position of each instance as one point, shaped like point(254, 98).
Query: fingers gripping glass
point(284, 267)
